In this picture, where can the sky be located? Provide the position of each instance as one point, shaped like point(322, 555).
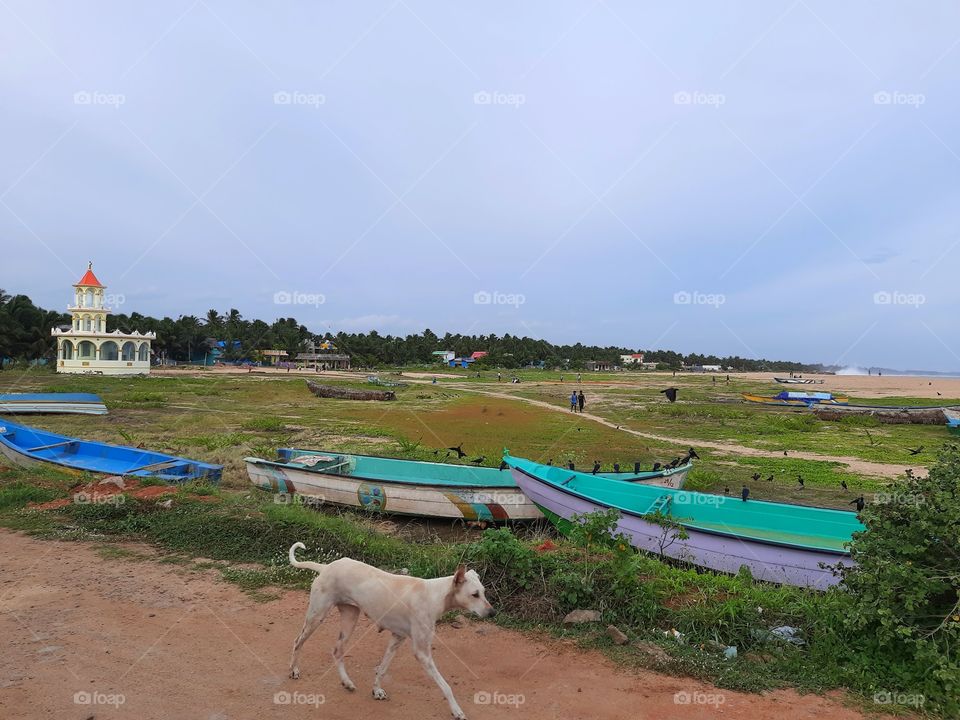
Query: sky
point(763, 179)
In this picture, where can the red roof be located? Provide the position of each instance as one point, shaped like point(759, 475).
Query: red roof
point(89, 279)
point(479, 354)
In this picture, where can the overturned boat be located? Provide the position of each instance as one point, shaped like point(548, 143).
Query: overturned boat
point(46, 403)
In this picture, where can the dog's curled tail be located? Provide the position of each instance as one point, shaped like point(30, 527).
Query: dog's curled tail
point(316, 567)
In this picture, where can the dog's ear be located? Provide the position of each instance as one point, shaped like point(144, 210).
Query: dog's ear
point(460, 576)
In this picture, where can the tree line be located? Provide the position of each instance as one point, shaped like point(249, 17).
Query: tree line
point(25, 335)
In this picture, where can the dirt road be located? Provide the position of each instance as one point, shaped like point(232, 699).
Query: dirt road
point(85, 636)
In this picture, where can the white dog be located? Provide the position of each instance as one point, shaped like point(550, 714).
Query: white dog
point(406, 606)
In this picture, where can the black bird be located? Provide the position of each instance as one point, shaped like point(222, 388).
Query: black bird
point(656, 466)
point(671, 393)
point(636, 468)
point(478, 460)
point(755, 476)
point(784, 453)
point(916, 450)
point(843, 484)
point(745, 493)
point(939, 394)
point(726, 490)
point(596, 466)
point(770, 479)
point(550, 461)
point(692, 454)
point(858, 502)
point(503, 465)
point(616, 467)
point(458, 450)
point(800, 480)
point(570, 465)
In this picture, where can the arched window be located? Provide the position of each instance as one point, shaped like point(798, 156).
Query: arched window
point(66, 350)
point(87, 325)
point(88, 298)
point(129, 351)
point(99, 324)
point(143, 354)
point(86, 350)
point(109, 350)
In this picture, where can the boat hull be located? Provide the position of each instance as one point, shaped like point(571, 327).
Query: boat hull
point(766, 561)
point(47, 403)
point(489, 504)
point(798, 381)
point(792, 402)
point(29, 447)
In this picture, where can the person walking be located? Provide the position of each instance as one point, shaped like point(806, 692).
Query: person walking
point(573, 401)
point(578, 377)
point(581, 400)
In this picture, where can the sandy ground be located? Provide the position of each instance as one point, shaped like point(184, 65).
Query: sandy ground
point(86, 637)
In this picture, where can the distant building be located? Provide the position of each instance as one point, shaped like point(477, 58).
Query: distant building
point(443, 356)
point(323, 361)
point(461, 362)
point(479, 354)
point(598, 365)
point(272, 357)
point(86, 346)
point(631, 359)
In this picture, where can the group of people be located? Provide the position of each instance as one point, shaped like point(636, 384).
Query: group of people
point(577, 401)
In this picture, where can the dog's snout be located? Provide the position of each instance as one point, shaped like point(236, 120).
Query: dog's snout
point(491, 613)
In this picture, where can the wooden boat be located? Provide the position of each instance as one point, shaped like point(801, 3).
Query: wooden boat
point(888, 414)
point(797, 399)
point(36, 403)
point(778, 542)
point(28, 446)
point(798, 381)
point(410, 487)
point(345, 393)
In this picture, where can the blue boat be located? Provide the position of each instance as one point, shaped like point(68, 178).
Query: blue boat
point(28, 446)
point(72, 403)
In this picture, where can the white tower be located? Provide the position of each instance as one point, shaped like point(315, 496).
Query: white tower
point(87, 347)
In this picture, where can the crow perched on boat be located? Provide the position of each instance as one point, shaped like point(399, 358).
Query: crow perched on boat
point(858, 502)
point(755, 476)
point(570, 464)
point(916, 450)
point(656, 466)
point(800, 480)
point(596, 466)
point(478, 460)
point(458, 450)
point(616, 467)
point(671, 393)
point(726, 490)
point(636, 468)
point(550, 461)
point(692, 454)
point(745, 493)
point(503, 465)
point(843, 484)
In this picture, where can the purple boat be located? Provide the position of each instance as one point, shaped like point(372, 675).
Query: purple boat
point(777, 542)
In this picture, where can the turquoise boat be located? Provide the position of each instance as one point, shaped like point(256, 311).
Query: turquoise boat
point(778, 542)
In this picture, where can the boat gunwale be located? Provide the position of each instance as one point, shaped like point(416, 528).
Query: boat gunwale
point(794, 546)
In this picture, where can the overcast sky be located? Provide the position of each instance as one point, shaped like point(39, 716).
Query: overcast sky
point(774, 179)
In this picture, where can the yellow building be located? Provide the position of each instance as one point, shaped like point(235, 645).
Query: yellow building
point(87, 347)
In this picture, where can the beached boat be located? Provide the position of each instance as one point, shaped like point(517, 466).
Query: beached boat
point(778, 542)
point(953, 421)
point(798, 381)
point(37, 403)
point(797, 399)
point(24, 445)
point(410, 487)
point(345, 393)
point(887, 414)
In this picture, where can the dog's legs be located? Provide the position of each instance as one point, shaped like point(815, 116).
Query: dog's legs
point(348, 620)
point(378, 692)
point(317, 610)
point(423, 652)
